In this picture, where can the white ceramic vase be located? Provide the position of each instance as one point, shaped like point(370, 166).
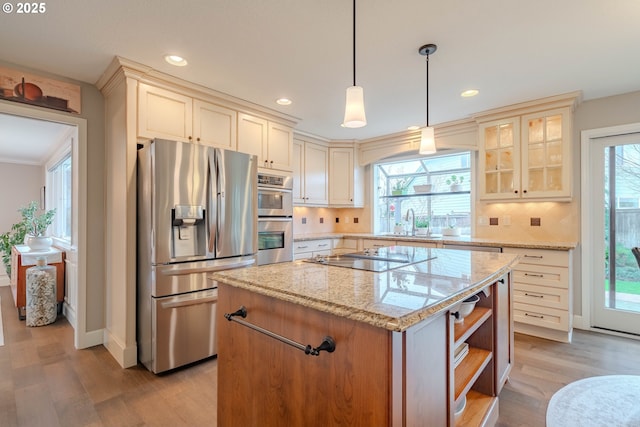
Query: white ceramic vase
point(39, 243)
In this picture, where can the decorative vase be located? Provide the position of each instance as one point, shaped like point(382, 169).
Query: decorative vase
point(39, 243)
point(456, 187)
point(41, 307)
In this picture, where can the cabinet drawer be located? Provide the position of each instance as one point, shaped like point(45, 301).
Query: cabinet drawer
point(541, 256)
point(351, 244)
point(541, 275)
point(312, 246)
point(541, 316)
point(541, 296)
point(369, 243)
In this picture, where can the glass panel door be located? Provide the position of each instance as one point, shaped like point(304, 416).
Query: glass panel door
point(617, 291)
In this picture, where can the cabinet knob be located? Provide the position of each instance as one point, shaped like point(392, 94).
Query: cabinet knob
point(271, 162)
point(198, 139)
point(516, 191)
point(524, 191)
point(190, 138)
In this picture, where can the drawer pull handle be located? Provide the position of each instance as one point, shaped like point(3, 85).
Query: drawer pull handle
point(534, 275)
point(378, 246)
point(302, 247)
point(533, 295)
point(537, 316)
point(533, 256)
point(328, 344)
point(324, 244)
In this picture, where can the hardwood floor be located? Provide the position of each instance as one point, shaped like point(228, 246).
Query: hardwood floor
point(44, 381)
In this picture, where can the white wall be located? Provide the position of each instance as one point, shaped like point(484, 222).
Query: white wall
point(19, 185)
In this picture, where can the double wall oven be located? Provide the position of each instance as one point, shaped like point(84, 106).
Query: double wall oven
point(275, 218)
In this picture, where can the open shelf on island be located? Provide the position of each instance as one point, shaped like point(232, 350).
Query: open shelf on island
point(468, 371)
point(470, 324)
point(478, 410)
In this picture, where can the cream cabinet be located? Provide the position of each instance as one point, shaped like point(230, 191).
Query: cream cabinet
point(526, 157)
point(271, 142)
point(170, 115)
point(214, 125)
point(345, 178)
point(164, 114)
point(310, 173)
point(377, 243)
point(310, 248)
point(344, 246)
point(542, 293)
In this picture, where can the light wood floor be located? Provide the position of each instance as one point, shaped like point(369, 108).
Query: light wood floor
point(44, 381)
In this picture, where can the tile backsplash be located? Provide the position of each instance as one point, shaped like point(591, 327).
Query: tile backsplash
point(331, 220)
point(539, 221)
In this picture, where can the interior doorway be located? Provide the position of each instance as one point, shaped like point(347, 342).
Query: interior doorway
point(613, 225)
point(75, 265)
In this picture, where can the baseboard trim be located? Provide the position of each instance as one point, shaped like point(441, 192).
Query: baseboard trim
point(546, 333)
point(125, 356)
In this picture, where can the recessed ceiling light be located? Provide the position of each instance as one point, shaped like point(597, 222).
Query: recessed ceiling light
point(469, 93)
point(176, 60)
point(413, 128)
point(283, 101)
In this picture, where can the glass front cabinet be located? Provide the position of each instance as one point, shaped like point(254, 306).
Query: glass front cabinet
point(526, 157)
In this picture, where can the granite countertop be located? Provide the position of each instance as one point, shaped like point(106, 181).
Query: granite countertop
point(447, 240)
point(393, 300)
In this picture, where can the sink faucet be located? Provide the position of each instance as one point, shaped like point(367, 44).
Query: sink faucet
point(413, 220)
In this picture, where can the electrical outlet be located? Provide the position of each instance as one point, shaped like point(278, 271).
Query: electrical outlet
point(483, 220)
point(493, 221)
point(535, 222)
point(337, 220)
point(304, 220)
point(355, 220)
point(506, 220)
point(321, 220)
point(346, 220)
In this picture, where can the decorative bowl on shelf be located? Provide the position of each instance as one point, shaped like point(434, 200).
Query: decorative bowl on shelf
point(460, 407)
point(425, 188)
point(466, 308)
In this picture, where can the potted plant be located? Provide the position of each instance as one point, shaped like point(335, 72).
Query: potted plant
point(422, 226)
point(455, 182)
point(400, 187)
point(37, 225)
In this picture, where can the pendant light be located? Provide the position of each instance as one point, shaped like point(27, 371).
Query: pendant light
point(427, 140)
point(354, 116)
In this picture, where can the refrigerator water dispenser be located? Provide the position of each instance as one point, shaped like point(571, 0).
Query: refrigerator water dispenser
point(189, 231)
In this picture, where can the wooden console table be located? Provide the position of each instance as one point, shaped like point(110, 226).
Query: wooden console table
point(22, 257)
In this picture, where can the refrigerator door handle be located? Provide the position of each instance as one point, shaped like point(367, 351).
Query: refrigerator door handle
point(179, 271)
point(189, 301)
point(212, 196)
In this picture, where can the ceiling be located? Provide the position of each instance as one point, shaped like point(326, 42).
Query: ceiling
point(510, 50)
point(29, 141)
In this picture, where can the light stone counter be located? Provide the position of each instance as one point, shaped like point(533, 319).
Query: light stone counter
point(393, 300)
point(445, 240)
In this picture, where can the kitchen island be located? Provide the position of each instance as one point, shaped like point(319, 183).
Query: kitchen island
point(395, 340)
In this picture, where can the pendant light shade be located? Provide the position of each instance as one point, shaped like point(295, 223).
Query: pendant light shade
point(427, 139)
point(354, 116)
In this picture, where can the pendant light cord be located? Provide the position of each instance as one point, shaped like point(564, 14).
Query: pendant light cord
point(427, 90)
point(354, 42)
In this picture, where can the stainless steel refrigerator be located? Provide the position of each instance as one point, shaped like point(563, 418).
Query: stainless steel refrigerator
point(197, 213)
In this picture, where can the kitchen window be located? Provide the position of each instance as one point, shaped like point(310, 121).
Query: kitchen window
point(425, 185)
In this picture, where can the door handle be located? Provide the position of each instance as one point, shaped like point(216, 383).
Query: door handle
point(189, 302)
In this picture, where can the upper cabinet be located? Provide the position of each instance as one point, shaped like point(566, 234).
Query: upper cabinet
point(346, 185)
point(310, 173)
point(271, 142)
point(526, 157)
point(214, 125)
point(164, 114)
point(170, 115)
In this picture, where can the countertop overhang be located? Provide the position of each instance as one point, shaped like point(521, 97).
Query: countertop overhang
point(394, 300)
